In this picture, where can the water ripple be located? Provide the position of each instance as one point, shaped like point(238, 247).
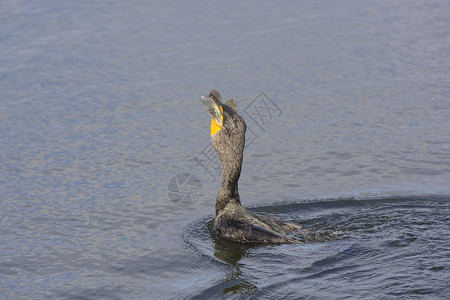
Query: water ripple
point(379, 234)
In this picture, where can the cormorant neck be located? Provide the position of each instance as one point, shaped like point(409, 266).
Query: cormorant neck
point(231, 171)
point(228, 193)
point(229, 143)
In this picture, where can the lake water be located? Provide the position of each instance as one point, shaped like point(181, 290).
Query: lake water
point(108, 182)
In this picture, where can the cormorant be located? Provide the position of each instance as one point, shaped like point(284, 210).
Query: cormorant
point(233, 221)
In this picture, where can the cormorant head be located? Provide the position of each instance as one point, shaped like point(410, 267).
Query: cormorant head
point(227, 126)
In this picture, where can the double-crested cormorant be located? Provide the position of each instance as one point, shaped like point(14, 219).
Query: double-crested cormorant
point(233, 221)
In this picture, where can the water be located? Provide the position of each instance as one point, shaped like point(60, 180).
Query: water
point(99, 113)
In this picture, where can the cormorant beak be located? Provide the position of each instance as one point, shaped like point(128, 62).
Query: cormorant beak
point(215, 110)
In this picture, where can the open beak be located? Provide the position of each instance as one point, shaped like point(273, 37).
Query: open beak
point(214, 108)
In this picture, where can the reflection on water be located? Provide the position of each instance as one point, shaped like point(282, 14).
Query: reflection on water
point(231, 253)
point(227, 251)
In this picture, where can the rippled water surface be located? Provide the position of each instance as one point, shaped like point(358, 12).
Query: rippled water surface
point(108, 182)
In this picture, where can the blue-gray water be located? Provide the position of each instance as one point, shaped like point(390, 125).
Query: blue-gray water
point(100, 120)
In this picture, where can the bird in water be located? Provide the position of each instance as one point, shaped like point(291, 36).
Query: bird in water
point(233, 221)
